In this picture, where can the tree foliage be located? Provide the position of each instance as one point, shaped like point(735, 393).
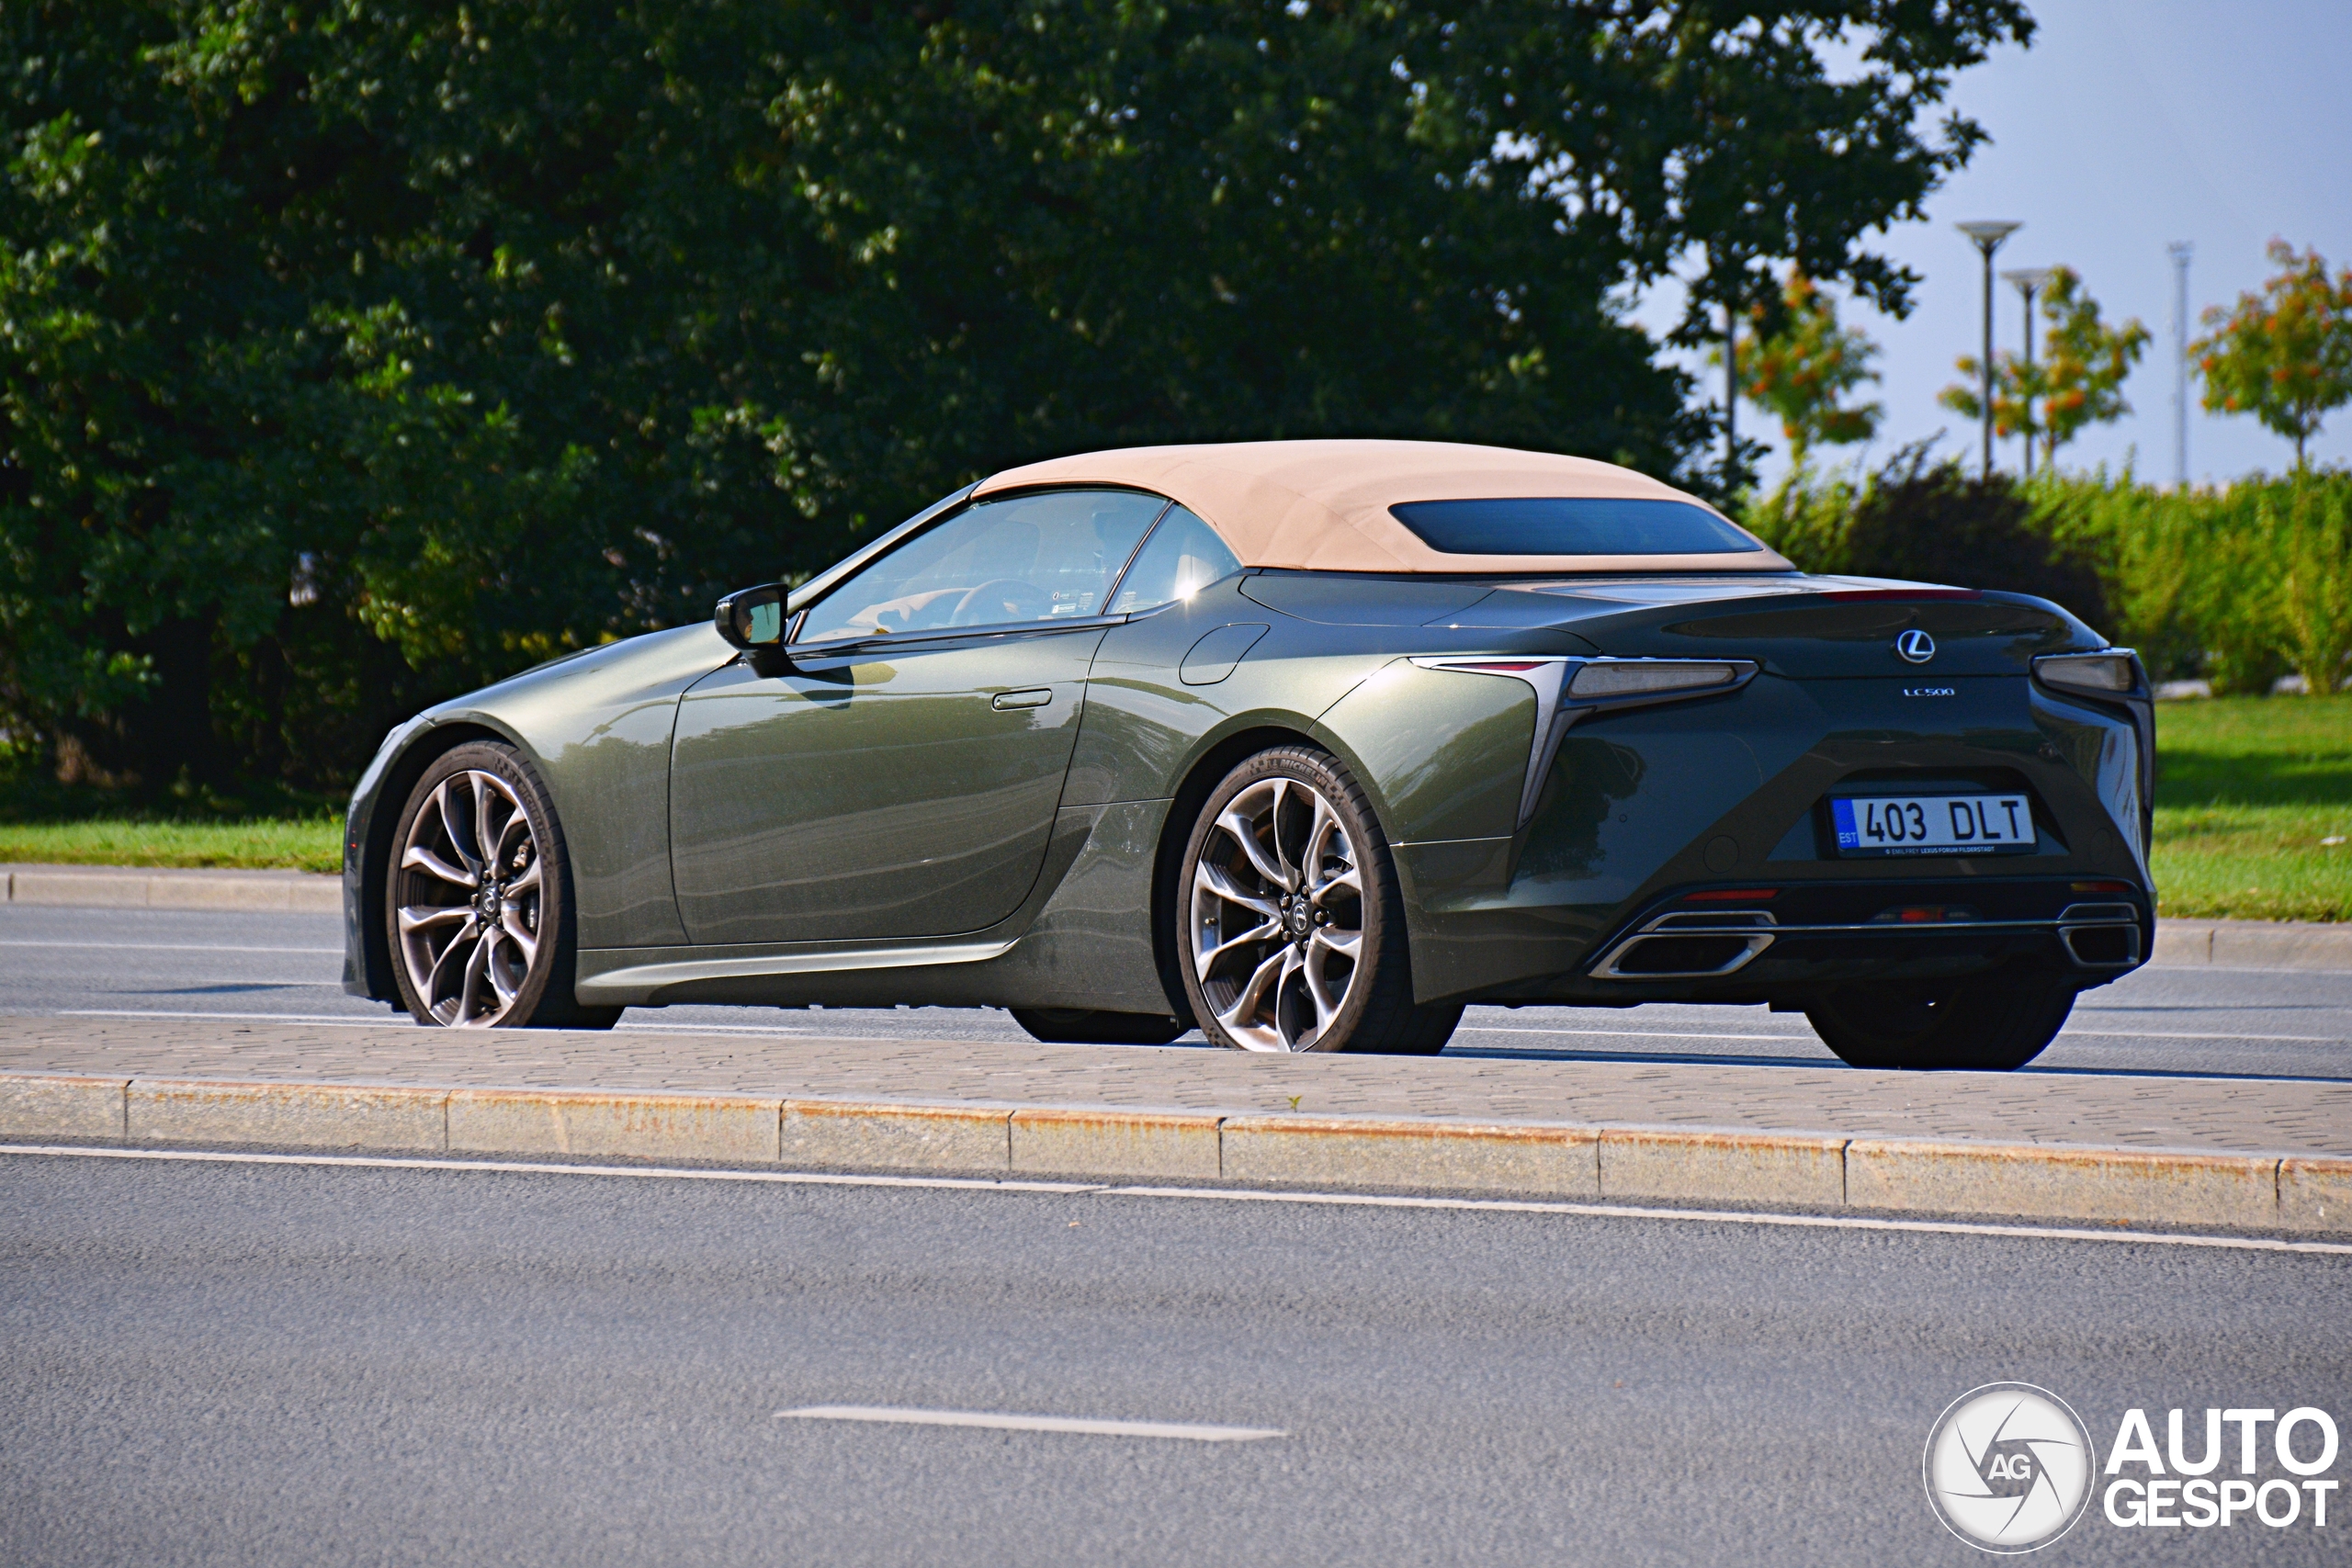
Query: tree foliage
point(2285, 355)
point(2076, 382)
point(355, 351)
point(1803, 371)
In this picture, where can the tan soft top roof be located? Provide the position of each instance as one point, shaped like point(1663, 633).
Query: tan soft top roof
point(1323, 505)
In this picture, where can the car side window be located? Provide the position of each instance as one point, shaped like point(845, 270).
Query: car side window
point(1044, 557)
point(1183, 557)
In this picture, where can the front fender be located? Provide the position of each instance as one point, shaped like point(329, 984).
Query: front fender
point(597, 727)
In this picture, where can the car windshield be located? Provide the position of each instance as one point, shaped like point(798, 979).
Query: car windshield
point(1562, 526)
point(1044, 557)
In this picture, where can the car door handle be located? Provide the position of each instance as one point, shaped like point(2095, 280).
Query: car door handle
point(1031, 699)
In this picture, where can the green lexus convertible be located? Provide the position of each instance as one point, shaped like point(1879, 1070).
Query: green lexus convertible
point(1307, 744)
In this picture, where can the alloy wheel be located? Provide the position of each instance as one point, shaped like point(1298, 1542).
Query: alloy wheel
point(1276, 916)
point(471, 899)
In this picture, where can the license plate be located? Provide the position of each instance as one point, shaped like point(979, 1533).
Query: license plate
point(1932, 825)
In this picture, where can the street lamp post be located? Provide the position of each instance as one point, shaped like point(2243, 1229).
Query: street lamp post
point(2029, 281)
point(1987, 234)
point(1731, 397)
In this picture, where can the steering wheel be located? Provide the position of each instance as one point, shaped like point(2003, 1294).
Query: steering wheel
point(1001, 599)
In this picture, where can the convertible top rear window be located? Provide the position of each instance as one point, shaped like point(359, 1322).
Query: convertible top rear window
point(1564, 526)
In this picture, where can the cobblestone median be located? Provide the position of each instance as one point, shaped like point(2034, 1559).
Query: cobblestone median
point(2267, 1116)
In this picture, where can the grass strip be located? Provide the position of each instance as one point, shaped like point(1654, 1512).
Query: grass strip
point(2249, 791)
point(314, 845)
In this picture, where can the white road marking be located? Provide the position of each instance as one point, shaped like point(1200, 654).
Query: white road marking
point(1809, 1037)
point(167, 947)
point(1741, 1217)
point(1806, 1038)
point(2217, 1034)
point(344, 1021)
point(1210, 1194)
point(2240, 969)
point(123, 1011)
point(628, 1027)
point(993, 1422)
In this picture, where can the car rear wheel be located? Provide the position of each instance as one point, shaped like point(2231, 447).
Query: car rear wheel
point(1291, 923)
point(1986, 1023)
point(478, 899)
point(1087, 1026)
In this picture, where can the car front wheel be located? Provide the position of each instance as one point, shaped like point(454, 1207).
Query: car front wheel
point(1291, 919)
point(478, 901)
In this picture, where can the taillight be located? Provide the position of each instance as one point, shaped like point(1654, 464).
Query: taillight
point(1601, 679)
point(2103, 675)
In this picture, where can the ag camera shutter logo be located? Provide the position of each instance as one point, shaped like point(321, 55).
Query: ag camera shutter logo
point(2008, 1467)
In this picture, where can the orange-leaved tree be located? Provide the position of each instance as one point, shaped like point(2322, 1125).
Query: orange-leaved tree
point(2078, 381)
point(2285, 355)
point(1801, 371)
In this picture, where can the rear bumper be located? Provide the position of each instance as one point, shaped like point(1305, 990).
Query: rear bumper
point(1695, 943)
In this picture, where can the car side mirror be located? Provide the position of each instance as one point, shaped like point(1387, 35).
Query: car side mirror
point(753, 618)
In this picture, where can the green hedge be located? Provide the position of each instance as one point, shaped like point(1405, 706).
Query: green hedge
point(2239, 584)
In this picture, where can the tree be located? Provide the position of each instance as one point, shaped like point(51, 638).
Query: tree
point(1802, 370)
point(2285, 355)
point(350, 355)
point(2076, 382)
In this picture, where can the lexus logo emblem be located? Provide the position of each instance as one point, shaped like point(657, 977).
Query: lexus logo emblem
point(1915, 647)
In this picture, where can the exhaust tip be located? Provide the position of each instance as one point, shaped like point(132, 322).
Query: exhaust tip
point(2100, 936)
point(1681, 956)
point(2102, 947)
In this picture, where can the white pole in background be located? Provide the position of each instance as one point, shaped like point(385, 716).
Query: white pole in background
point(2181, 251)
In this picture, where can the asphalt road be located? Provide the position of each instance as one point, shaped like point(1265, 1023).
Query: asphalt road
point(291, 1364)
point(2275, 1023)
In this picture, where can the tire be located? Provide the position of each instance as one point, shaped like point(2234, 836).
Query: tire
point(481, 804)
point(1287, 895)
point(1986, 1023)
point(1085, 1026)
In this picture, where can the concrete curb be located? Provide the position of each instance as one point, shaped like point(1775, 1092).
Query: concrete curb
point(154, 887)
point(1694, 1164)
point(2247, 944)
point(2254, 944)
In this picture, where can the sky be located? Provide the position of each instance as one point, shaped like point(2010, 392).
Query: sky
point(2126, 125)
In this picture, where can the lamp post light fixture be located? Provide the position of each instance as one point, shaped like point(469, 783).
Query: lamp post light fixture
point(2029, 281)
point(1987, 236)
